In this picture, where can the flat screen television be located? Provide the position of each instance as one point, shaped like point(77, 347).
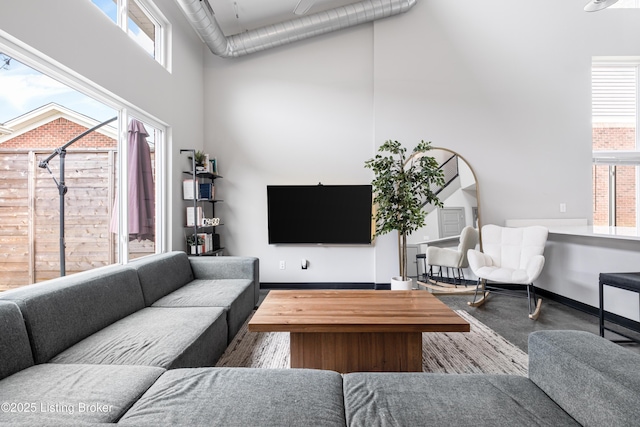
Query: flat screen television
point(319, 214)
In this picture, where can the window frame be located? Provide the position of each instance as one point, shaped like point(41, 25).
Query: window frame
point(614, 158)
point(162, 42)
point(42, 63)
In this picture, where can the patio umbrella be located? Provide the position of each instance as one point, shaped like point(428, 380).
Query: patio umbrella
point(141, 187)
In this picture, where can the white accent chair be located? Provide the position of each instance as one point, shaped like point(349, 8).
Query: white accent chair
point(510, 256)
point(454, 259)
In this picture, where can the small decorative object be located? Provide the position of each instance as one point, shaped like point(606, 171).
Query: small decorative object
point(200, 158)
point(401, 187)
point(195, 243)
point(211, 222)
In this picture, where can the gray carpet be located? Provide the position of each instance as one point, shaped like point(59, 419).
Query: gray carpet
point(480, 351)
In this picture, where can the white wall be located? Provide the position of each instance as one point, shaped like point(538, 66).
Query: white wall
point(506, 85)
point(79, 36)
point(300, 114)
point(509, 88)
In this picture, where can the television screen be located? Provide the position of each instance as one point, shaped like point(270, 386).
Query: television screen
point(328, 214)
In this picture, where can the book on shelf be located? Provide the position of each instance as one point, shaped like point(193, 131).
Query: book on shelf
point(213, 165)
point(207, 191)
point(191, 219)
point(187, 190)
point(208, 242)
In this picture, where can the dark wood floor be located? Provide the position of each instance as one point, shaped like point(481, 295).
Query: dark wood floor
point(508, 316)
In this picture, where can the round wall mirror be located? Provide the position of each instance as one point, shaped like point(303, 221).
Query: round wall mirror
point(459, 197)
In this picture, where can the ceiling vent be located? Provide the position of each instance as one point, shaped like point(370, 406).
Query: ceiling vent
point(202, 19)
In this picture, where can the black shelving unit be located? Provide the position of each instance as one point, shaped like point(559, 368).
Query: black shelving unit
point(197, 179)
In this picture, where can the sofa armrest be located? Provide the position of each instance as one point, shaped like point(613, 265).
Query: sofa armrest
point(227, 267)
point(592, 379)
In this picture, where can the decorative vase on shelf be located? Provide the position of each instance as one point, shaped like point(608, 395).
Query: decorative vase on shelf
point(200, 160)
point(194, 251)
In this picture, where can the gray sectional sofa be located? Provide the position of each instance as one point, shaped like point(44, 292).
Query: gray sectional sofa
point(135, 345)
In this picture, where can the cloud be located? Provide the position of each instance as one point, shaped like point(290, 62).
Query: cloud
point(24, 89)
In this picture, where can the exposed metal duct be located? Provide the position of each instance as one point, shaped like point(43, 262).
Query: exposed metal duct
point(204, 22)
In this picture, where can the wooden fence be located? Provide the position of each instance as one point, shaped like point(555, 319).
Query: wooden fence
point(30, 214)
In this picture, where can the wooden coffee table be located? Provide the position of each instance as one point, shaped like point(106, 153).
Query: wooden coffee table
point(355, 330)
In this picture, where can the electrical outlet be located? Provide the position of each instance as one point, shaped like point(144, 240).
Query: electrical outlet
point(563, 207)
point(283, 265)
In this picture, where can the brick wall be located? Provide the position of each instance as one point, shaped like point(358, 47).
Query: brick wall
point(56, 133)
point(614, 138)
point(600, 187)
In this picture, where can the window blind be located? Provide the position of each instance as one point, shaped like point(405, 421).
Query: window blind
point(614, 91)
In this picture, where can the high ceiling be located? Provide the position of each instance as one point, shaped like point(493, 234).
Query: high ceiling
point(237, 16)
point(232, 28)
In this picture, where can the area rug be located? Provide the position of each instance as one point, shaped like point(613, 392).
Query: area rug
point(480, 351)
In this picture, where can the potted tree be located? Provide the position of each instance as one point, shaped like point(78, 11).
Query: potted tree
point(402, 186)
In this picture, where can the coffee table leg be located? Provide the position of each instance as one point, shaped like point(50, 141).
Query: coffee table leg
point(357, 352)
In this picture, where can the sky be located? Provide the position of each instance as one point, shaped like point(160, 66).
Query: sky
point(23, 89)
point(109, 7)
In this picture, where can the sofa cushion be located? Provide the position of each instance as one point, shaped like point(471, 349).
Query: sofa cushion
point(61, 312)
point(417, 399)
point(228, 267)
point(163, 337)
point(15, 350)
point(596, 381)
point(62, 394)
point(234, 295)
point(241, 397)
point(162, 274)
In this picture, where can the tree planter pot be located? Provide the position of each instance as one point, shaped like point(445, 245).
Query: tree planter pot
point(397, 284)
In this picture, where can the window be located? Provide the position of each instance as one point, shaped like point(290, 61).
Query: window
point(143, 21)
point(42, 109)
point(615, 142)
